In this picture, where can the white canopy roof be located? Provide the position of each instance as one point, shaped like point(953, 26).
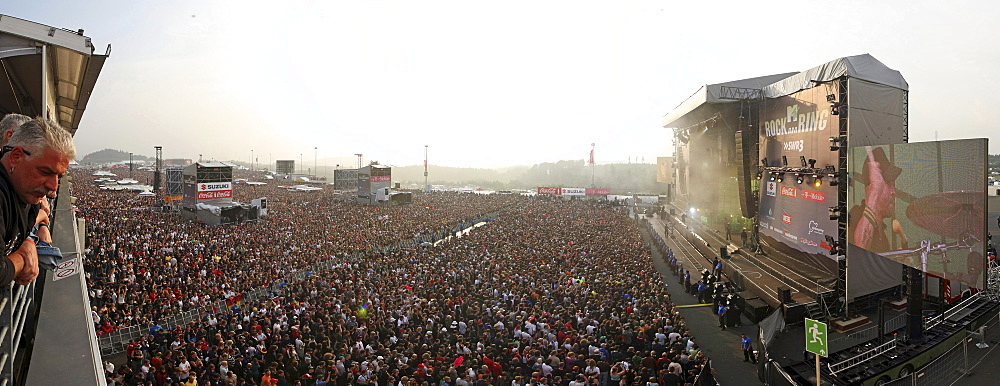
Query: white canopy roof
point(711, 93)
point(864, 67)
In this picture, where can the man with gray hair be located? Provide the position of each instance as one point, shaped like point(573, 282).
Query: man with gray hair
point(9, 125)
point(37, 155)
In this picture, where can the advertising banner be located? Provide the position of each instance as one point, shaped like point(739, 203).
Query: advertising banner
point(922, 205)
point(549, 190)
point(598, 191)
point(574, 191)
point(381, 178)
point(665, 170)
point(215, 190)
point(795, 191)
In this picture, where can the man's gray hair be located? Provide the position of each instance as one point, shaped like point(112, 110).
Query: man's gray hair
point(39, 134)
point(12, 121)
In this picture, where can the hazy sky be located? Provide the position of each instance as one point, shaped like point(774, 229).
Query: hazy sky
point(489, 84)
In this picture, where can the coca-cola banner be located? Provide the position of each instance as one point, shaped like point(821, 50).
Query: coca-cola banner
point(549, 190)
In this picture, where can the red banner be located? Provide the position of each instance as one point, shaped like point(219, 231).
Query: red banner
point(214, 194)
point(789, 191)
point(549, 190)
point(598, 191)
point(381, 178)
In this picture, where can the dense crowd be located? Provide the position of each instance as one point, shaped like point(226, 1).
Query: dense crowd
point(551, 292)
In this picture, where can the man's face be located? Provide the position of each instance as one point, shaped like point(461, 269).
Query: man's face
point(37, 177)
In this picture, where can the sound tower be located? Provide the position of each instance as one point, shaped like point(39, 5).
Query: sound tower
point(746, 142)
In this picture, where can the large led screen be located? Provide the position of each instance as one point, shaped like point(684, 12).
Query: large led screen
point(922, 205)
point(794, 197)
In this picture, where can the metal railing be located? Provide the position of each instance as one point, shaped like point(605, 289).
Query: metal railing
point(15, 301)
point(960, 360)
point(867, 334)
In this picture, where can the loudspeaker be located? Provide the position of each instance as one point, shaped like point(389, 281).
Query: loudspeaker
point(746, 159)
point(785, 295)
point(756, 310)
point(794, 313)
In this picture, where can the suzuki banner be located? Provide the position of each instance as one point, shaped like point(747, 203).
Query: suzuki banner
point(574, 191)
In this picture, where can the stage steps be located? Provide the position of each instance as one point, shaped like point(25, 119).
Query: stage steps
point(815, 311)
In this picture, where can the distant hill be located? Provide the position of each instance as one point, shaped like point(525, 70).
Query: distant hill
point(620, 178)
point(110, 156)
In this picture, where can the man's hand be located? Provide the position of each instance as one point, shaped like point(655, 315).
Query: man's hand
point(43, 212)
point(30, 269)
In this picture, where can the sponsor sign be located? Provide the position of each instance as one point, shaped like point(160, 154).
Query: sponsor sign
point(794, 135)
point(215, 190)
point(598, 191)
point(772, 188)
point(814, 228)
point(549, 190)
point(813, 195)
point(214, 186)
point(574, 191)
point(212, 195)
point(789, 191)
point(806, 241)
point(381, 178)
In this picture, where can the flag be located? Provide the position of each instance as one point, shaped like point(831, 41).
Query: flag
point(591, 156)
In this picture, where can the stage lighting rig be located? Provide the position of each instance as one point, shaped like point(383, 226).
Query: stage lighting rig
point(837, 142)
point(836, 108)
point(835, 212)
point(834, 245)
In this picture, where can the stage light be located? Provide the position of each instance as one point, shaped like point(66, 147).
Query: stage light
point(772, 176)
point(837, 142)
point(834, 245)
point(834, 180)
point(798, 178)
point(760, 175)
point(817, 181)
point(834, 212)
point(834, 109)
point(812, 163)
point(802, 159)
point(781, 177)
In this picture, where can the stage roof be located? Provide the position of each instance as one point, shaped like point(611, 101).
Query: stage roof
point(697, 107)
point(709, 94)
point(70, 57)
point(864, 67)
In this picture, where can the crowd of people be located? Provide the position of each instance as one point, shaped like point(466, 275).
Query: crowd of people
point(551, 292)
